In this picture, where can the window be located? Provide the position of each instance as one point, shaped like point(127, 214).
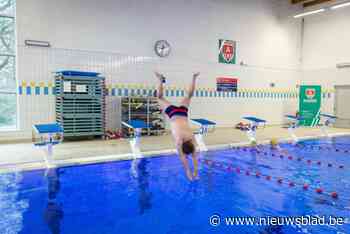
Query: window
point(8, 95)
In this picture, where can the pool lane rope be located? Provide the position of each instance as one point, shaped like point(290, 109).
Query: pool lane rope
point(312, 147)
point(280, 180)
point(282, 156)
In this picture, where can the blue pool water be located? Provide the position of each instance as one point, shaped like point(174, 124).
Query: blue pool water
point(156, 197)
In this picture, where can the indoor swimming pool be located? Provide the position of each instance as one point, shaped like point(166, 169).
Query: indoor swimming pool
point(152, 195)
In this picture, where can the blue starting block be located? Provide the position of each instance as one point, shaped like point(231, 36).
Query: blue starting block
point(293, 125)
point(137, 126)
point(328, 120)
point(329, 116)
point(205, 125)
point(47, 135)
point(292, 117)
point(254, 123)
point(255, 120)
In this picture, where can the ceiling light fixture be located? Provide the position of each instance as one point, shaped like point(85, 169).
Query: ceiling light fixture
point(341, 5)
point(37, 43)
point(310, 13)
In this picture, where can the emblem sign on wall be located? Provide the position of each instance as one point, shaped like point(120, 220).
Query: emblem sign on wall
point(227, 51)
point(226, 84)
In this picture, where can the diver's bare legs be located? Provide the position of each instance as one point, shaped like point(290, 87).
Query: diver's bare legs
point(186, 101)
point(186, 166)
point(160, 92)
point(195, 165)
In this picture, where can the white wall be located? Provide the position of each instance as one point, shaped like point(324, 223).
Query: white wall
point(326, 39)
point(193, 27)
point(267, 42)
point(326, 43)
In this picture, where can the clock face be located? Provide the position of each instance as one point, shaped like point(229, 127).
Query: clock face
point(162, 48)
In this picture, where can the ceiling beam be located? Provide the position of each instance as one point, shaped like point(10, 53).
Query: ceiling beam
point(315, 2)
point(297, 1)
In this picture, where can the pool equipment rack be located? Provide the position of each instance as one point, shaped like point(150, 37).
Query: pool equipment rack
point(46, 136)
point(145, 109)
point(205, 126)
point(254, 124)
point(80, 103)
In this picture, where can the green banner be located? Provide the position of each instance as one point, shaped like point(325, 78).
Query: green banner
point(310, 104)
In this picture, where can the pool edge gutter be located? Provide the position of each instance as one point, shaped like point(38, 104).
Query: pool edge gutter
point(129, 156)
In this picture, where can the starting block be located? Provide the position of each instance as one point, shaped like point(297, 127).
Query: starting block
point(294, 124)
point(47, 135)
point(205, 126)
point(137, 126)
point(328, 120)
point(254, 123)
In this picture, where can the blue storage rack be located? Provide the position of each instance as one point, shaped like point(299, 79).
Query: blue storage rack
point(80, 103)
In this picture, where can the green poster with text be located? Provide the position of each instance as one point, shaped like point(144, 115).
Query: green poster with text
point(309, 104)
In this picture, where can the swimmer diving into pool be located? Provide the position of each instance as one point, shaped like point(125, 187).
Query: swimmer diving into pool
point(180, 128)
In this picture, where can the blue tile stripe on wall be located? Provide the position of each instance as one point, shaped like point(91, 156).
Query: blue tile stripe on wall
point(28, 90)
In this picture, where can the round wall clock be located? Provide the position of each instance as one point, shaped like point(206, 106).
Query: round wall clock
point(162, 48)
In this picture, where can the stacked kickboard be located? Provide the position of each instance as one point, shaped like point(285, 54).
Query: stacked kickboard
point(80, 103)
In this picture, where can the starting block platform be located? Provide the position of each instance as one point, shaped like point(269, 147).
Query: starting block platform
point(329, 116)
point(203, 122)
point(205, 125)
point(47, 135)
point(328, 120)
point(255, 120)
point(292, 117)
point(293, 125)
point(254, 123)
point(137, 126)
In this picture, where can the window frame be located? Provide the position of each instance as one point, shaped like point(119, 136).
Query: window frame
point(14, 55)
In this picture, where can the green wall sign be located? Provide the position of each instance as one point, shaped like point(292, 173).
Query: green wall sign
point(310, 104)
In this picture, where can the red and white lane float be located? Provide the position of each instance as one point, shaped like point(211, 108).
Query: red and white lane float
point(282, 155)
point(258, 175)
point(323, 148)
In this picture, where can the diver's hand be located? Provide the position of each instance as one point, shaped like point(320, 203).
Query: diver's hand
point(195, 75)
point(160, 77)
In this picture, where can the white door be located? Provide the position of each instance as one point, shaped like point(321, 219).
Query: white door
point(342, 105)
